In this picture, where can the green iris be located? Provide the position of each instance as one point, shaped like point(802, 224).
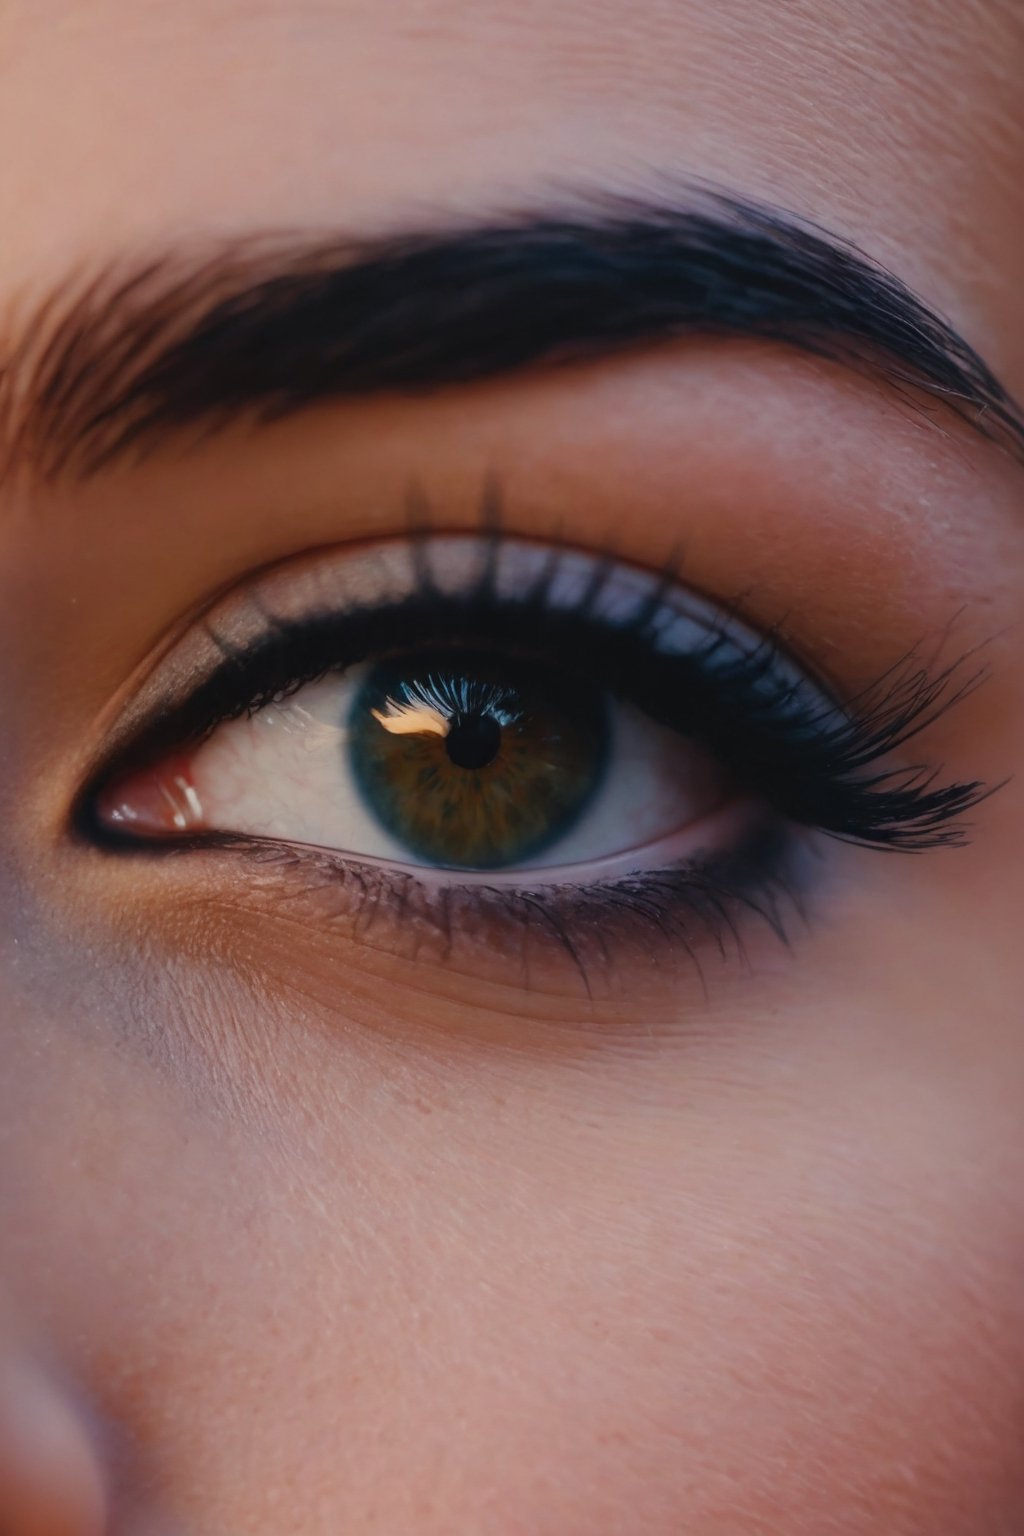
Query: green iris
point(476, 761)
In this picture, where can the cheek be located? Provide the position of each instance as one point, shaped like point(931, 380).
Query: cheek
point(750, 1328)
point(634, 1292)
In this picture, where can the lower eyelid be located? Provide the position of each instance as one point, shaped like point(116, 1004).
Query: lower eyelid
point(651, 929)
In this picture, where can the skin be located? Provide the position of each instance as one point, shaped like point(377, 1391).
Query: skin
point(308, 1228)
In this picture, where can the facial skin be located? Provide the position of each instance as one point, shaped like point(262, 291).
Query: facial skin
point(310, 1228)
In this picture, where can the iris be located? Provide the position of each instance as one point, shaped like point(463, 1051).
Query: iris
point(475, 760)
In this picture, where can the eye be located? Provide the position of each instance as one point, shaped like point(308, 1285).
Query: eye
point(483, 709)
point(457, 759)
point(512, 752)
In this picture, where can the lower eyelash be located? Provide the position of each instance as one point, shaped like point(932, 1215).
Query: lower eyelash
point(696, 909)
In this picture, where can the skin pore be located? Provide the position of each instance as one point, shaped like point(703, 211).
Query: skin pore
point(313, 1221)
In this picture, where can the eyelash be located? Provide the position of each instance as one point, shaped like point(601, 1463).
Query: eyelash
point(819, 765)
point(683, 906)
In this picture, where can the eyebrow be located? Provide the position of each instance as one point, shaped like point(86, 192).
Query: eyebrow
point(264, 327)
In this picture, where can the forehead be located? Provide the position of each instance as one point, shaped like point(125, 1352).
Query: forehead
point(899, 122)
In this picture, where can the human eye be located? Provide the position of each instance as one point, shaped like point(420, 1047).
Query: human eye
point(509, 735)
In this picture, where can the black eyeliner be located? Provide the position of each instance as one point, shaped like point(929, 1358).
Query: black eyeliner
point(812, 760)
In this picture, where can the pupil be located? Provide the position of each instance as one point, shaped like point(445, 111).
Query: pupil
point(473, 740)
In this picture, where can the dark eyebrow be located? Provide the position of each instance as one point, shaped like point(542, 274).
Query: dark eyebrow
point(262, 328)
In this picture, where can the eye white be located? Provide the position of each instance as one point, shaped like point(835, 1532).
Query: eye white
point(285, 774)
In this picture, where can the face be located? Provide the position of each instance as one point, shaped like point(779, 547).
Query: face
point(513, 706)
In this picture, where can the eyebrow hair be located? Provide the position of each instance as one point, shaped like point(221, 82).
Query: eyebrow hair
point(264, 327)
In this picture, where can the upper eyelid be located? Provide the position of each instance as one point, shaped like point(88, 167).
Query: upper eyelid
point(147, 723)
point(237, 624)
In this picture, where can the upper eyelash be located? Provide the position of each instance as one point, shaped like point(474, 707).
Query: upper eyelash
point(819, 764)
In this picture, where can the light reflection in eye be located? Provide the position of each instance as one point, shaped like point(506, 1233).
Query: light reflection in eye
point(411, 719)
